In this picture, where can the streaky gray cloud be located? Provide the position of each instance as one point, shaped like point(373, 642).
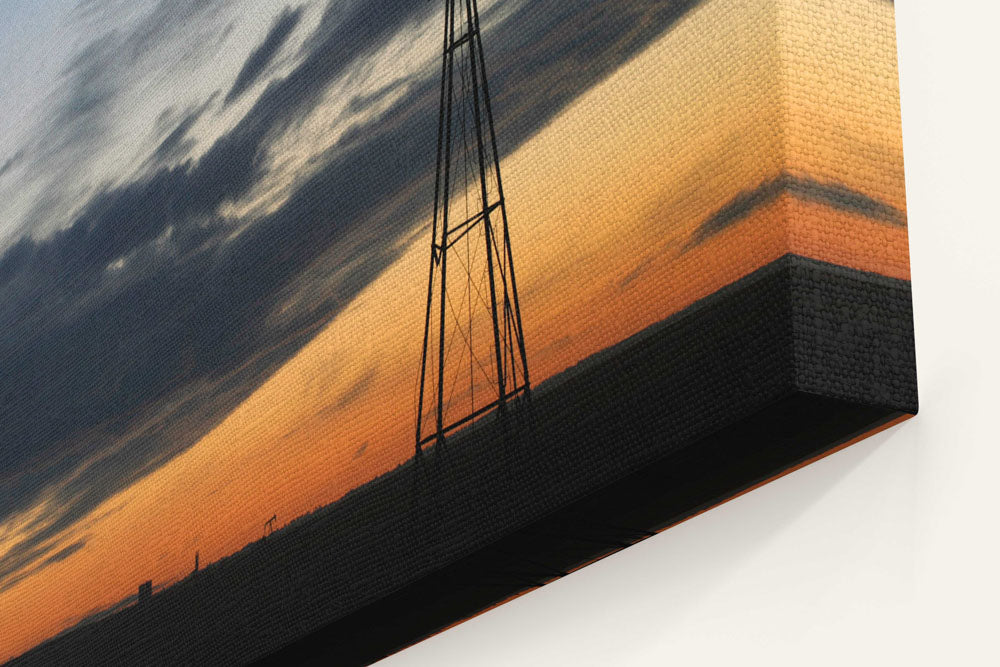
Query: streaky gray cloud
point(65, 552)
point(362, 103)
point(12, 162)
point(83, 113)
point(264, 54)
point(136, 329)
point(14, 570)
point(360, 451)
point(353, 393)
point(835, 195)
point(177, 144)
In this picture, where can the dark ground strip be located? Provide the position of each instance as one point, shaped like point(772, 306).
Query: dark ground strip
point(770, 371)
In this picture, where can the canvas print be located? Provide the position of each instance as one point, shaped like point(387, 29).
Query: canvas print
point(326, 325)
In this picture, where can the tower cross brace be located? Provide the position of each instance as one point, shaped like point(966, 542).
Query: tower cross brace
point(465, 100)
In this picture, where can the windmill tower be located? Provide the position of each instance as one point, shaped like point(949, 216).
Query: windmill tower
point(473, 358)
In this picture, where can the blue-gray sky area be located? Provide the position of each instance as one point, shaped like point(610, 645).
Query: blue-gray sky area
point(190, 189)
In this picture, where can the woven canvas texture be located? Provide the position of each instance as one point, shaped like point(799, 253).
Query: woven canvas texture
point(218, 336)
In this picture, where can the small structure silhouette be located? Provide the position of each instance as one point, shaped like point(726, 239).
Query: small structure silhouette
point(145, 592)
point(195, 561)
point(269, 525)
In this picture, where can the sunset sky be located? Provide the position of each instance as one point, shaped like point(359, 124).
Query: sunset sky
point(214, 236)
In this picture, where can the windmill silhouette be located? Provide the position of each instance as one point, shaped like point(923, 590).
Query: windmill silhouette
point(472, 325)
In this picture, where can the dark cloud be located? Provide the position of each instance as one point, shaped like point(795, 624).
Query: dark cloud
point(137, 328)
point(844, 198)
point(835, 195)
point(85, 111)
point(353, 393)
point(361, 103)
point(65, 552)
point(634, 274)
point(262, 56)
point(98, 74)
point(11, 162)
point(13, 569)
point(176, 145)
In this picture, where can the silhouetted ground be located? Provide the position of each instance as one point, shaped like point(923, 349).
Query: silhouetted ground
point(766, 372)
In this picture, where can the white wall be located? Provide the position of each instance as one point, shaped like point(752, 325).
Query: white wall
point(885, 553)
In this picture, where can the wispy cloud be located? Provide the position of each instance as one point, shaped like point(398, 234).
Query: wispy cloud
point(11, 162)
point(835, 195)
point(264, 54)
point(136, 326)
point(15, 572)
point(177, 144)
